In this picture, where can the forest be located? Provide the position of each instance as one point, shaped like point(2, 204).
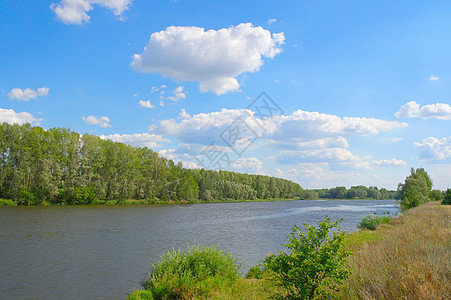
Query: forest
point(60, 166)
point(354, 192)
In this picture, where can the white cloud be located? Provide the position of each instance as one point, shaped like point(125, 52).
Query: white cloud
point(11, 117)
point(184, 115)
point(103, 121)
point(336, 158)
point(214, 58)
point(178, 94)
point(390, 163)
point(304, 125)
point(146, 104)
point(137, 139)
point(302, 137)
point(296, 129)
point(270, 21)
point(441, 111)
point(433, 77)
point(250, 165)
point(75, 11)
point(435, 150)
point(162, 103)
point(27, 94)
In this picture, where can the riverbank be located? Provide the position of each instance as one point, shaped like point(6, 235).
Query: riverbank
point(405, 259)
point(7, 202)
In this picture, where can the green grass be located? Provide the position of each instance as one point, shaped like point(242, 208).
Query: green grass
point(409, 258)
point(194, 273)
point(5, 202)
point(371, 221)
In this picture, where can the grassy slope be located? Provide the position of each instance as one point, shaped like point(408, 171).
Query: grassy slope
point(410, 258)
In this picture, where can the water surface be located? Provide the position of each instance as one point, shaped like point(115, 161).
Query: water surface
point(102, 252)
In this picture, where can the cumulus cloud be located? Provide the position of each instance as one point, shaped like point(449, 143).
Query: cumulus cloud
point(27, 94)
point(390, 163)
point(11, 117)
point(250, 165)
point(178, 93)
point(214, 58)
point(302, 137)
point(103, 121)
point(270, 21)
point(441, 111)
point(300, 127)
point(146, 104)
point(137, 139)
point(435, 150)
point(433, 77)
point(336, 158)
point(76, 11)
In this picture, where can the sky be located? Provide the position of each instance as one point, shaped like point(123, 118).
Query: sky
point(324, 93)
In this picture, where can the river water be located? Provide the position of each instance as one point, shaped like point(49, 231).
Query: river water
point(102, 252)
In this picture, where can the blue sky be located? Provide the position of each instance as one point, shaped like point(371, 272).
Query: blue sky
point(363, 87)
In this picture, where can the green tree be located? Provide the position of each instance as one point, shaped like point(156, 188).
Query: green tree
point(415, 190)
point(436, 195)
point(315, 267)
point(447, 198)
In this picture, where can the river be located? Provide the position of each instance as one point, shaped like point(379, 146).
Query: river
point(102, 252)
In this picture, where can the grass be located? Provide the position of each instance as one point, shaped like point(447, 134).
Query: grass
point(194, 273)
point(5, 202)
point(409, 258)
point(371, 221)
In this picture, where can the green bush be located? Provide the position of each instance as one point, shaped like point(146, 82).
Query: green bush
point(447, 198)
point(315, 267)
point(140, 295)
point(195, 273)
point(255, 272)
point(4, 202)
point(371, 221)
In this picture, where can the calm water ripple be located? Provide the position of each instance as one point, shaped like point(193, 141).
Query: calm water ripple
point(102, 252)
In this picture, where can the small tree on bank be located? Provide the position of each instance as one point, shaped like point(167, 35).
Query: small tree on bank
point(415, 190)
point(315, 267)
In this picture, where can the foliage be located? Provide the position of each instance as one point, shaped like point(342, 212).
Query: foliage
point(255, 272)
point(415, 190)
point(60, 166)
point(140, 295)
point(355, 192)
point(447, 198)
point(5, 202)
point(436, 195)
point(195, 273)
point(371, 221)
point(315, 266)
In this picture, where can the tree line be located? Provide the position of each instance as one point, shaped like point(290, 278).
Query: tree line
point(60, 166)
point(355, 192)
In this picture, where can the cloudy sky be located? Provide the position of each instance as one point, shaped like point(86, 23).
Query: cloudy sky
point(324, 93)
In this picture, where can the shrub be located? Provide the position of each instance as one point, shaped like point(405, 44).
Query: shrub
point(315, 266)
point(371, 221)
point(447, 198)
point(4, 202)
point(255, 272)
point(184, 275)
point(140, 295)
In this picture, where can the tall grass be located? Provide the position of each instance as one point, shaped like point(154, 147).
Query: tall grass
point(191, 274)
point(409, 259)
